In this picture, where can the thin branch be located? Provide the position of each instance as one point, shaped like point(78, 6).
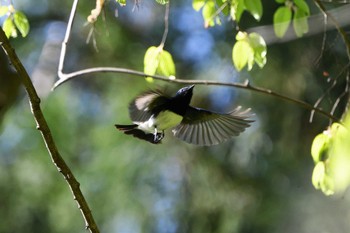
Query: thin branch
point(342, 32)
point(64, 77)
point(96, 12)
point(328, 90)
point(66, 38)
point(346, 92)
point(319, 100)
point(219, 10)
point(246, 86)
point(166, 24)
point(325, 21)
point(44, 129)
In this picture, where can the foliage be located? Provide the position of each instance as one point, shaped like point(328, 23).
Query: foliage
point(283, 17)
point(15, 20)
point(157, 60)
point(249, 49)
point(330, 152)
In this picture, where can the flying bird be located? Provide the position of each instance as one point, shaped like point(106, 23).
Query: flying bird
point(153, 112)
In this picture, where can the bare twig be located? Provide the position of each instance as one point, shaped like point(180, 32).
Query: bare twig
point(96, 12)
point(342, 32)
point(346, 41)
point(44, 129)
point(319, 100)
point(329, 89)
point(344, 94)
point(166, 24)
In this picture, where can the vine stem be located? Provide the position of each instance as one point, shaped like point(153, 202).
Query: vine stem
point(45, 131)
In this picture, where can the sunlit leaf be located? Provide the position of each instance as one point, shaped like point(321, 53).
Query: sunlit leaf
point(321, 180)
point(339, 161)
point(166, 64)
point(280, 1)
point(257, 43)
point(163, 2)
point(248, 50)
point(300, 23)
point(198, 4)
point(151, 61)
point(3, 10)
point(254, 7)
point(208, 13)
point(237, 8)
point(121, 2)
point(241, 35)
point(318, 175)
point(319, 148)
point(9, 28)
point(281, 20)
point(21, 23)
point(242, 54)
point(302, 5)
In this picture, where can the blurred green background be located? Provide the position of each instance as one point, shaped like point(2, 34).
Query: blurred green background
point(257, 182)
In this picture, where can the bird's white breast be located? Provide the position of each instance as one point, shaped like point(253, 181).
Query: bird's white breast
point(164, 120)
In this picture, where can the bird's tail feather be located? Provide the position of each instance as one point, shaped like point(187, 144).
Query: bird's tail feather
point(134, 131)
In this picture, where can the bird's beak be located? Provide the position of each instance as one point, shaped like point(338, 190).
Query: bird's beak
point(191, 87)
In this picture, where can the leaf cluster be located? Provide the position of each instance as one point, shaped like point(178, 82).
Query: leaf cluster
point(330, 154)
point(15, 21)
point(297, 11)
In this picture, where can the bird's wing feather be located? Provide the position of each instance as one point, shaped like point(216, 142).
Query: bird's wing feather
point(206, 128)
point(140, 108)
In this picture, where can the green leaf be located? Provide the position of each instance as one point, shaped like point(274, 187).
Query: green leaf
point(318, 175)
point(3, 10)
point(321, 180)
point(208, 13)
point(280, 1)
point(339, 161)
point(198, 4)
point(166, 64)
point(281, 20)
point(237, 8)
point(242, 55)
point(302, 5)
point(300, 23)
point(254, 7)
point(257, 43)
point(158, 60)
point(249, 49)
point(9, 28)
point(121, 2)
point(163, 2)
point(241, 35)
point(21, 23)
point(319, 148)
point(151, 61)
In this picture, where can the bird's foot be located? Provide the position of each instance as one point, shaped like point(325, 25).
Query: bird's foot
point(158, 136)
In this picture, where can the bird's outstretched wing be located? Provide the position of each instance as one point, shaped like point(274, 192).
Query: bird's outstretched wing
point(206, 128)
point(140, 108)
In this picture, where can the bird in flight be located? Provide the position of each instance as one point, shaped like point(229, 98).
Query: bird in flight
point(153, 112)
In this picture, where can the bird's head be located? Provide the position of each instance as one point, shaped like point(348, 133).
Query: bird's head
point(185, 92)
